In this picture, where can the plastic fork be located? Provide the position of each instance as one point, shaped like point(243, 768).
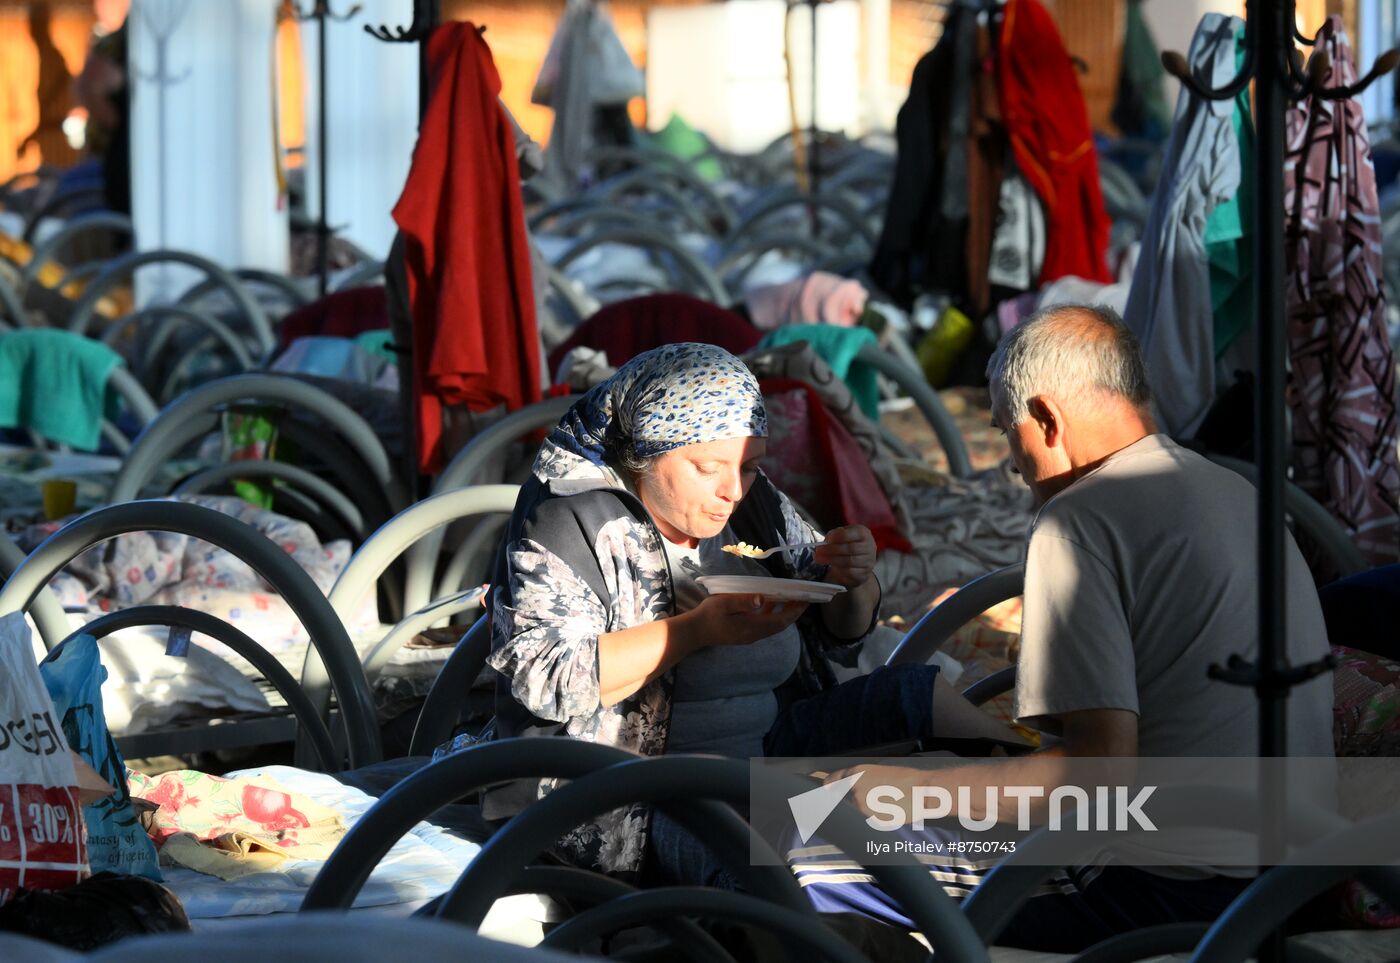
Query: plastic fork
point(776, 548)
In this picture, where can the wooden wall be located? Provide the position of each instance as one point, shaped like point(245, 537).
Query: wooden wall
point(519, 32)
point(19, 77)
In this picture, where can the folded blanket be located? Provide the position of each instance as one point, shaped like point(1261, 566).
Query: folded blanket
point(233, 827)
point(228, 856)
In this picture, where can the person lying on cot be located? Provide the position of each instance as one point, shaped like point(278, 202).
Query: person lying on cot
point(600, 630)
point(1140, 575)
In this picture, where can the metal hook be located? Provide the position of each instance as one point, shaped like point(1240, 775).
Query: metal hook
point(382, 33)
point(1384, 64)
point(1175, 64)
point(1310, 79)
point(425, 18)
point(322, 10)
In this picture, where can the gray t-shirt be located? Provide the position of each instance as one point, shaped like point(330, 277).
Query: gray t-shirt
point(1139, 577)
point(723, 701)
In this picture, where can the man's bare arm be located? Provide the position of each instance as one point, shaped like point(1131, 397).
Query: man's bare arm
point(1090, 733)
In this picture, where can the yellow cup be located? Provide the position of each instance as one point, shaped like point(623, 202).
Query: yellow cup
point(60, 498)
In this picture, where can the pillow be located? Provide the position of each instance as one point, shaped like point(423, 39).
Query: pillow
point(1366, 710)
point(1365, 722)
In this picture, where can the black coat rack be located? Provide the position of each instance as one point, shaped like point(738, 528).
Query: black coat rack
point(321, 12)
point(427, 14)
point(1271, 61)
point(814, 172)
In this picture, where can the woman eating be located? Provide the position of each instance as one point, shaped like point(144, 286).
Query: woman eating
point(600, 631)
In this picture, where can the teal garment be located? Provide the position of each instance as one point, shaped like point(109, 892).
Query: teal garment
point(681, 140)
point(378, 343)
point(838, 347)
point(1141, 109)
point(1228, 239)
point(55, 383)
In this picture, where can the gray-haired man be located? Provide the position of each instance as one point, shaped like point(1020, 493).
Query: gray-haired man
point(1140, 565)
point(1140, 574)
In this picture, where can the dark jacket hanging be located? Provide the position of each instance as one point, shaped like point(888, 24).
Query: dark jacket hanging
point(921, 243)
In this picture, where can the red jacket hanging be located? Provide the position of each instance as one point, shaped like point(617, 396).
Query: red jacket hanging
point(467, 255)
point(1048, 125)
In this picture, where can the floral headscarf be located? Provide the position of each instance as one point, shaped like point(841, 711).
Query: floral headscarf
point(675, 395)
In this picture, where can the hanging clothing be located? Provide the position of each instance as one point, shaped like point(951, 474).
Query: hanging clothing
point(587, 78)
point(1139, 106)
point(563, 87)
point(467, 259)
point(987, 162)
point(919, 249)
point(1018, 247)
point(1229, 237)
point(945, 205)
point(1342, 391)
point(1169, 305)
point(952, 200)
point(529, 155)
point(1052, 142)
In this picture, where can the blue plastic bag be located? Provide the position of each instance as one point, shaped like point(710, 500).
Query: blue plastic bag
point(73, 673)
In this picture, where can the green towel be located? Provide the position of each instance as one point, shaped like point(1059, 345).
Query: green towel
point(681, 140)
point(1228, 237)
point(55, 383)
point(838, 347)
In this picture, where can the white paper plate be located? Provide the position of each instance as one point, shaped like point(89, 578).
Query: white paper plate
point(773, 588)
